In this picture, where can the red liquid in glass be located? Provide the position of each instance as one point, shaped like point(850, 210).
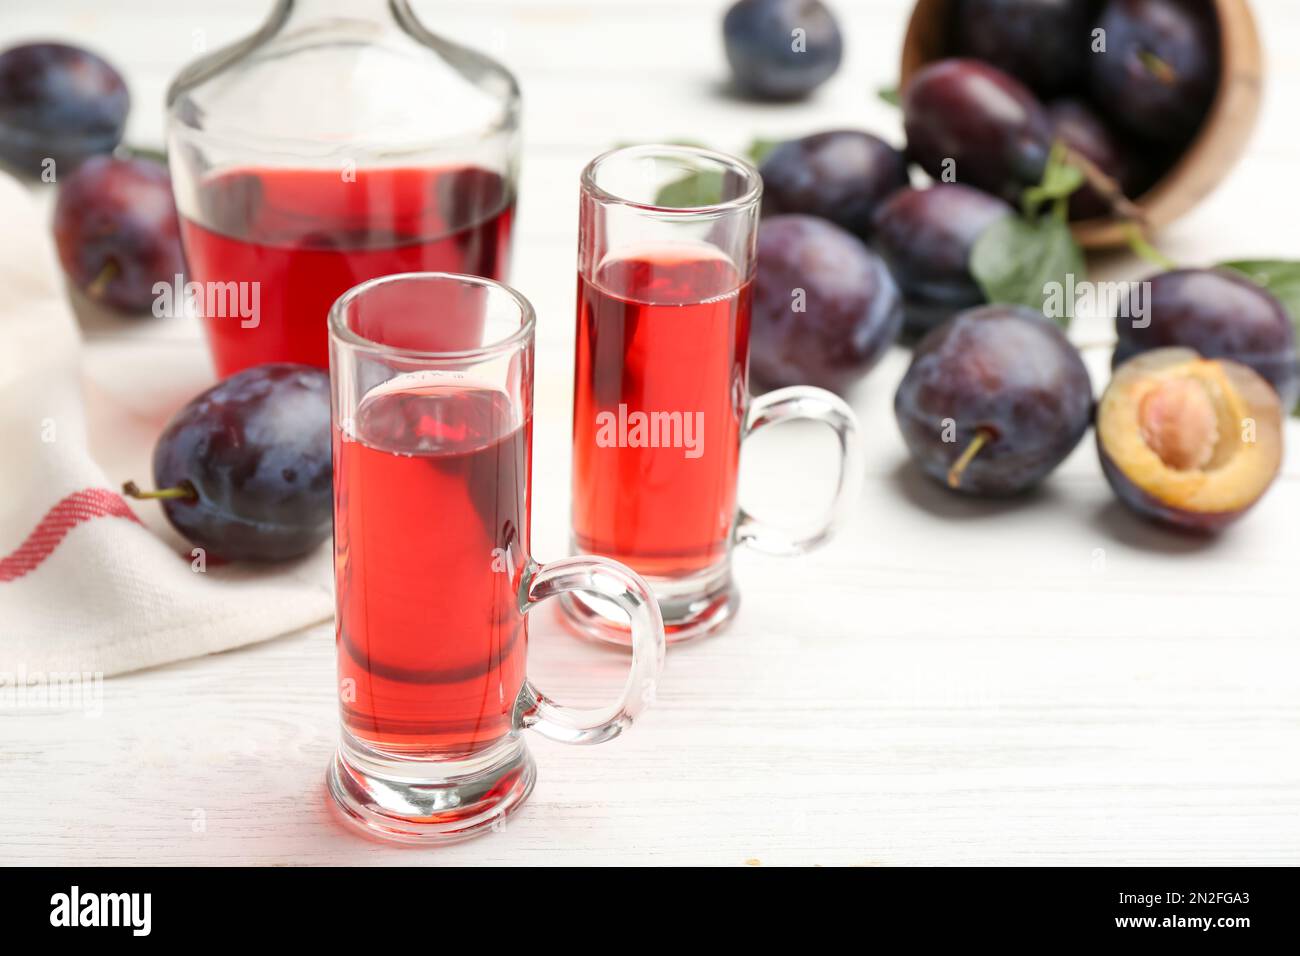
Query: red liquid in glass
point(662, 333)
point(309, 235)
point(430, 530)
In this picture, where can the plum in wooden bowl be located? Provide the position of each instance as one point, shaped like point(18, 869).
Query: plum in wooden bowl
point(1160, 95)
point(1189, 442)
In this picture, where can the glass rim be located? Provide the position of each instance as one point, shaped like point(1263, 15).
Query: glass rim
point(744, 167)
point(340, 331)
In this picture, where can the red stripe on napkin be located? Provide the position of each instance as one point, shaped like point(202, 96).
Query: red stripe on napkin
point(76, 508)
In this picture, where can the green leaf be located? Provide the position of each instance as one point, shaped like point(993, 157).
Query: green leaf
point(759, 149)
point(1060, 180)
point(890, 95)
point(1015, 259)
point(698, 189)
point(705, 187)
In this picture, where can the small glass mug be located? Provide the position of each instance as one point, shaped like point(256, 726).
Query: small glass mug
point(432, 383)
point(666, 257)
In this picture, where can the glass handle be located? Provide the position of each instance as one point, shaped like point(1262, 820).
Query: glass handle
point(613, 582)
point(811, 404)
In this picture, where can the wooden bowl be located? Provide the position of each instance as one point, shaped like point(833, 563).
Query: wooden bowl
point(1206, 161)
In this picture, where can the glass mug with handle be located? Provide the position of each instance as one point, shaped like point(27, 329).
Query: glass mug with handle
point(666, 260)
point(432, 383)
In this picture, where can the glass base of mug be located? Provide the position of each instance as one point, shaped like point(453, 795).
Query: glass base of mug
point(427, 802)
point(694, 606)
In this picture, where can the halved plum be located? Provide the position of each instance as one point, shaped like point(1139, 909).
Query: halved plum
point(1187, 441)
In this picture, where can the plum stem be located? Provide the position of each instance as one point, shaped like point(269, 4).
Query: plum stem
point(183, 490)
point(982, 437)
point(1143, 249)
point(99, 284)
point(1106, 186)
point(1161, 69)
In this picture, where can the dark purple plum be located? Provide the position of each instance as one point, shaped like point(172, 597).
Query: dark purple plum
point(1186, 441)
point(768, 59)
point(1043, 43)
point(1080, 128)
point(825, 306)
point(1218, 313)
point(58, 102)
point(968, 121)
point(926, 236)
point(840, 175)
point(995, 398)
point(117, 232)
point(244, 470)
point(1160, 68)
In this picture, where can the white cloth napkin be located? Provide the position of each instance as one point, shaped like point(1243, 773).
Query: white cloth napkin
point(85, 586)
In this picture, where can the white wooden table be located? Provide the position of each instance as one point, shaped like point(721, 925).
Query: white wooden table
point(1045, 681)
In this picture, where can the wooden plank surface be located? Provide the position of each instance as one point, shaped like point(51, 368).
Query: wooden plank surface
point(1046, 681)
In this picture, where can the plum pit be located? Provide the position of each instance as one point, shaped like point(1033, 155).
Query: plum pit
point(1179, 422)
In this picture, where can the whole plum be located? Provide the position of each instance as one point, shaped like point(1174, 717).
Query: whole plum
point(117, 232)
point(244, 469)
point(840, 175)
point(1160, 68)
point(926, 237)
point(994, 400)
point(970, 122)
point(781, 49)
point(825, 306)
point(1043, 43)
point(58, 102)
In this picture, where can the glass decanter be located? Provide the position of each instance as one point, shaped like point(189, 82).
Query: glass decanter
point(340, 142)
